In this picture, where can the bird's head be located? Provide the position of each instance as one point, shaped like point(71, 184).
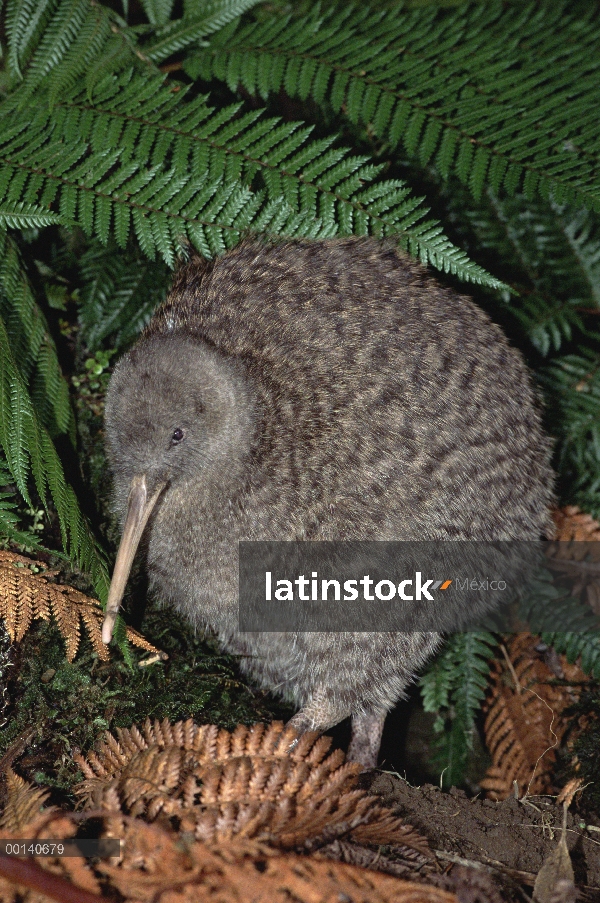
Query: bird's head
point(178, 413)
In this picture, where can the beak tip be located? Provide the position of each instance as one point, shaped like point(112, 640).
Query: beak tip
point(107, 629)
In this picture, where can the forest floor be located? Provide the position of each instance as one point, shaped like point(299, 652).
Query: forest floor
point(510, 840)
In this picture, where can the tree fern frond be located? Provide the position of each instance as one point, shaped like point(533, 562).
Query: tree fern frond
point(15, 413)
point(549, 241)
point(63, 43)
point(56, 44)
point(182, 169)
point(32, 344)
point(94, 35)
point(499, 99)
point(28, 449)
point(549, 322)
point(582, 231)
point(120, 52)
point(58, 38)
point(547, 604)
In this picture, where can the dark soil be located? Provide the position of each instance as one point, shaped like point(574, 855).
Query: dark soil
point(510, 839)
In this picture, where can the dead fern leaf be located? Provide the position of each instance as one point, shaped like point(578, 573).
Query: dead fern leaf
point(23, 803)
point(159, 863)
point(524, 723)
point(156, 864)
point(22, 818)
point(26, 596)
point(245, 784)
point(576, 553)
point(572, 524)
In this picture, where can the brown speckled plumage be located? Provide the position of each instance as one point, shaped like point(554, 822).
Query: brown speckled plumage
point(327, 390)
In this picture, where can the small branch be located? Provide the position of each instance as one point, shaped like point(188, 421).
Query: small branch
point(489, 865)
point(511, 668)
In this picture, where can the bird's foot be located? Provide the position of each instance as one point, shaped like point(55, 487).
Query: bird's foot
point(301, 723)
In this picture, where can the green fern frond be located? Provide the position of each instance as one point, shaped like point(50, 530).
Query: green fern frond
point(549, 323)
point(552, 253)
point(453, 687)
point(64, 43)
point(28, 449)
point(546, 604)
point(497, 96)
point(436, 685)
point(119, 293)
point(181, 169)
point(158, 11)
point(58, 44)
point(207, 18)
point(584, 646)
point(25, 22)
point(31, 343)
point(59, 38)
point(10, 516)
point(582, 232)
point(25, 216)
point(572, 383)
point(94, 36)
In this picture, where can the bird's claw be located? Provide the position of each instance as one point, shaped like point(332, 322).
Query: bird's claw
point(301, 724)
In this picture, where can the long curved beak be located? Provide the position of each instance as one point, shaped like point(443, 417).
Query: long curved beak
point(139, 509)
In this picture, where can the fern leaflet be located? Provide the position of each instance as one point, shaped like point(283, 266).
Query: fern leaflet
point(158, 11)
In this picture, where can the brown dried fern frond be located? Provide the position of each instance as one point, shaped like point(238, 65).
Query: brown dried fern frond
point(576, 553)
point(23, 803)
point(26, 595)
point(572, 524)
point(245, 784)
point(524, 724)
point(22, 819)
point(156, 865)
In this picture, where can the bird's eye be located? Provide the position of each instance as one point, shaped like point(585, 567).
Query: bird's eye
point(177, 436)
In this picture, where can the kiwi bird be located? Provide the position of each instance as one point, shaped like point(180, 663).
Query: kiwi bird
point(317, 391)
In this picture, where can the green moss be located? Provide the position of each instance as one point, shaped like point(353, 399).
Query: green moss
point(60, 707)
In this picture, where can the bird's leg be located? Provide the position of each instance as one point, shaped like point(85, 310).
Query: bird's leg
point(366, 737)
